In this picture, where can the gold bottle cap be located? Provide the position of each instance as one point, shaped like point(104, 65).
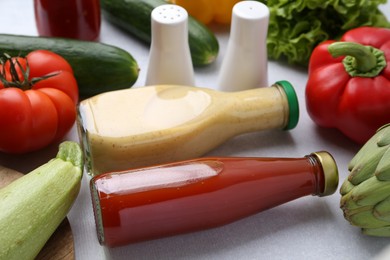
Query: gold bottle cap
point(331, 175)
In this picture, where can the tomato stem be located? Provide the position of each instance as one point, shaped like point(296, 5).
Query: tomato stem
point(360, 60)
point(16, 81)
point(14, 65)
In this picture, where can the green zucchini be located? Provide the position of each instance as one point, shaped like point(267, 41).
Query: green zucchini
point(33, 206)
point(134, 16)
point(97, 67)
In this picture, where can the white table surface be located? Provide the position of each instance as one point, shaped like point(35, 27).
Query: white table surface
point(307, 228)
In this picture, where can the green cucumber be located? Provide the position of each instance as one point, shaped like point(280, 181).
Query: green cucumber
point(97, 67)
point(33, 206)
point(134, 16)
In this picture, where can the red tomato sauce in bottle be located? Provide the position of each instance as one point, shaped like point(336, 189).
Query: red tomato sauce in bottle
point(78, 19)
point(170, 199)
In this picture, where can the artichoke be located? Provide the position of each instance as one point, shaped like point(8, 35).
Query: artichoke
point(365, 194)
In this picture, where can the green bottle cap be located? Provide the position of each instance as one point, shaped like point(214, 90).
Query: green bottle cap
point(293, 104)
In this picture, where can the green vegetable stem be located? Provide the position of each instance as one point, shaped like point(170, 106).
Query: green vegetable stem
point(360, 60)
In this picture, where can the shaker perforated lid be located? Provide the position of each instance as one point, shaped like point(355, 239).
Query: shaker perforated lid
point(251, 10)
point(169, 14)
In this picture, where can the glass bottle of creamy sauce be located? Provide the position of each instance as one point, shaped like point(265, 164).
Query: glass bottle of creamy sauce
point(165, 123)
point(181, 197)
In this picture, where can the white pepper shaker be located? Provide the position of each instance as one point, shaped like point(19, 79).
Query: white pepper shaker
point(245, 63)
point(170, 58)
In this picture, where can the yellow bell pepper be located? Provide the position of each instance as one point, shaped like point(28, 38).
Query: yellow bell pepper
point(207, 11)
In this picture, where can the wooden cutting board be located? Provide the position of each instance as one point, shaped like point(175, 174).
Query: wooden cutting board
point(60, 244)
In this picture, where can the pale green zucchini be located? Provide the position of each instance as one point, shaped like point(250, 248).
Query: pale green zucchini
point(33, 206)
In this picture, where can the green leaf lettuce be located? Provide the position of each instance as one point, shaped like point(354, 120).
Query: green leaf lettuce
point(297, 26)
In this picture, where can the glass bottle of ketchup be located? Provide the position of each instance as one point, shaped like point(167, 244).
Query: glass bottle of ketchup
point(185, 196)
point(78, 19)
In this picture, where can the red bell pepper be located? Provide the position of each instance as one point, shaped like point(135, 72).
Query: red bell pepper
point(349, 83)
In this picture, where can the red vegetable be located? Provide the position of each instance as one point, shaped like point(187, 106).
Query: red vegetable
point(349, 83)
point(38, 97)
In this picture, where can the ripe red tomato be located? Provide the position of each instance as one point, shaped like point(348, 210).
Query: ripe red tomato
point(38, 98)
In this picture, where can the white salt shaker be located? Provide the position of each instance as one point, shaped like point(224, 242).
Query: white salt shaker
point(245, 63)
point(170, 58)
